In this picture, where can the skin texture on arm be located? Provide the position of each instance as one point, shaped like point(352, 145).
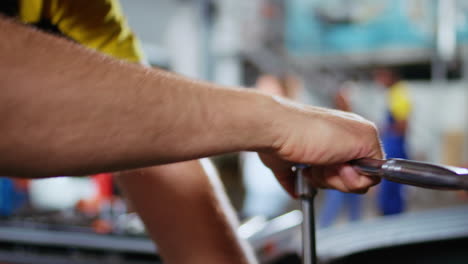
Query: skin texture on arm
point(183, 235)
point(186, 213)
point(67, 110)
point(59, 101)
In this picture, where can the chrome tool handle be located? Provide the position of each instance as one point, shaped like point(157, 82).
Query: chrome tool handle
point(415, 173)
point(307, 194)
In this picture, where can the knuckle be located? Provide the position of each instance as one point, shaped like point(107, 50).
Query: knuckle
point(372, 129)
point(358, 187)
point(341, 189)
point(375, 180)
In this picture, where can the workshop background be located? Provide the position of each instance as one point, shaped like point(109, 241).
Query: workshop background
point(320, 52)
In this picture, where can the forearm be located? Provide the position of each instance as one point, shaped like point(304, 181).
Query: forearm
point(190, 219)
point(66, 110)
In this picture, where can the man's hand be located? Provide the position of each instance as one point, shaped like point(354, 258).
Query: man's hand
point(325, 139)
point(79, 118)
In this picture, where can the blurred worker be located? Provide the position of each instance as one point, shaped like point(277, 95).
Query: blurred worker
point(67, 110)
point(335, 201)
point(391, 198)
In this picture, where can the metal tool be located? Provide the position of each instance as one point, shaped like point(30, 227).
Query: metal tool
point(415, 173)
point(409, 172)
point(306, 194)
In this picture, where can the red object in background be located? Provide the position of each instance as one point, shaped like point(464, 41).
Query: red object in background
point(22, 184)
point(270, 248)
point(96, 206)
point(101, 226)
point(104, 185)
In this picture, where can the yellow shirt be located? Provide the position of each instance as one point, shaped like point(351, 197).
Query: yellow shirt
point(400, 105)
point(97, 24)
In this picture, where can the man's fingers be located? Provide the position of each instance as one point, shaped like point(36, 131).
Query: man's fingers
point(355, 182)
point(282, 171)
point(341, 177)
point(287, 180)
point(313, 176)
point(325, 177)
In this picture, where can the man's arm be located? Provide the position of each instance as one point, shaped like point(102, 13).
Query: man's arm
point(186, 213)
point(66, 110)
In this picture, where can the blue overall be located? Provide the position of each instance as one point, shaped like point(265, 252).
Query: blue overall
point(335, 202)
point(390, 197)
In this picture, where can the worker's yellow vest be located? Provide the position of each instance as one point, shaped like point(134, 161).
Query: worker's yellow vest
point(399, 103)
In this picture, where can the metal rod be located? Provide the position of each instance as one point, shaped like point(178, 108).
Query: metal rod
point(307, 194)
point(421, 174)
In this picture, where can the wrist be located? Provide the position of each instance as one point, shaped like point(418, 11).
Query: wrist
point(264, 133)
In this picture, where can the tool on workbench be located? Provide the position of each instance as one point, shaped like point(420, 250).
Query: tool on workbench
point(409, 172)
